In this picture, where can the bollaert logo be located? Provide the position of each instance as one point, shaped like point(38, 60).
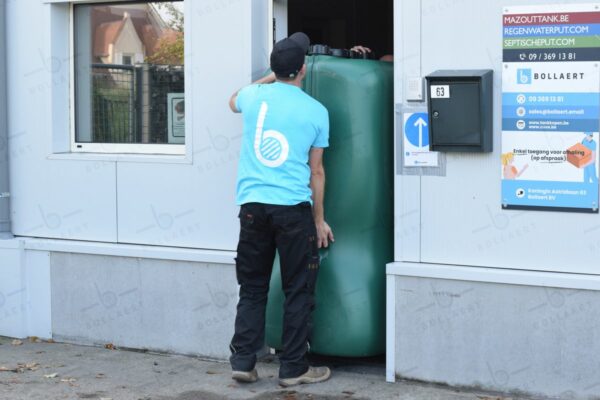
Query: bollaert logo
point(271, 147)
point(524, 76)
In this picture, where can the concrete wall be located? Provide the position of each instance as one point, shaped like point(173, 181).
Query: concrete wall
point(175, 306)
point(186, 306)
point(24, 291)
point(501, 337)
point(12, 289)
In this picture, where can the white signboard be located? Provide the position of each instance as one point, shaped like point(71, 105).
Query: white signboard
point(551, 108)
point(176, 108)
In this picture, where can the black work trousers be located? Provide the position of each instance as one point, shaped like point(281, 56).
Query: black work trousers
point(291, 231)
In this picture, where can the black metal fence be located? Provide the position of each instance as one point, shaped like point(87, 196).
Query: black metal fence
point(130, 103)
point(163, 80)
point(114, 104)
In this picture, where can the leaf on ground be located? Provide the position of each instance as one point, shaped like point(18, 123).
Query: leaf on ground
point(212, 372)
point(34, 339)
point(50, 341)
point(20, 368)
point(110, 346)
point(49, 376)
point(16, 342)
point(68, 380)
point(100, 376)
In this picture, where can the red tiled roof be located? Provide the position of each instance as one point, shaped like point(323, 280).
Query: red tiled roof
point(108, 22)
point(106, 34)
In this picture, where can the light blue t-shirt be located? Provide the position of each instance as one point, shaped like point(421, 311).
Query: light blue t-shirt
point(281, 124)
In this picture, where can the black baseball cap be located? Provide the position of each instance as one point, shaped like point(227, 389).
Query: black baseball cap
point(287, 57)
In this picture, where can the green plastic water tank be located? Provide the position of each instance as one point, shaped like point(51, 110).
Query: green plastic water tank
point(349, 319)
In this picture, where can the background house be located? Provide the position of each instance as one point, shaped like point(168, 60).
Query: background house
point(128, 35)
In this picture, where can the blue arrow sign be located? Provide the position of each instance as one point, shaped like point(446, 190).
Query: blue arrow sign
point(416, 130)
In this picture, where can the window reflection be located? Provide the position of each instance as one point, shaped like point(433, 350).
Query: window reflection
point(129, 73)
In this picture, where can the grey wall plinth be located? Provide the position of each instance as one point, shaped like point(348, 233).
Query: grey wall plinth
point(501, 337)
point(180, 307)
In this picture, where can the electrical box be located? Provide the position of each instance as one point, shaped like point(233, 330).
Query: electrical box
point(460, 104)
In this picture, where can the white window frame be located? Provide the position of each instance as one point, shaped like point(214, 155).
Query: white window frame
point(123, 148)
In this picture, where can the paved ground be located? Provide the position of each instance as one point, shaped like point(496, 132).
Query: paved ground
point(52, 371)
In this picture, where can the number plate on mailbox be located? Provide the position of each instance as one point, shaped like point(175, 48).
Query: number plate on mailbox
point(440, 92)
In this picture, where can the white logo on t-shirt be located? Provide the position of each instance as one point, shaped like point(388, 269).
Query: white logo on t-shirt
point(271, 147)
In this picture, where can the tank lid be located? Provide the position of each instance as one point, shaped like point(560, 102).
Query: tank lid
point(324, 50)
point(339, 53)
point(319, 50)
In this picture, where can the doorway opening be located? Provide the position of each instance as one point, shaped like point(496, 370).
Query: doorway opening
point(340, 24)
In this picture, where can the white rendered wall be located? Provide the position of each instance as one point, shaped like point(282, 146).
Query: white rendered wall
point(457, 219)
point(50, 198)
point(193, 205)
point(157, 200)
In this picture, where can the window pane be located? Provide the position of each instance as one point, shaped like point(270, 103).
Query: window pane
point(129, 75)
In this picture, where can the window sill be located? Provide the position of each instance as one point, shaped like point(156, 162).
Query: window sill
point(139, 158)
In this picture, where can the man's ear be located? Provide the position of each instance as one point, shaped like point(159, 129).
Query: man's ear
point(302, 72)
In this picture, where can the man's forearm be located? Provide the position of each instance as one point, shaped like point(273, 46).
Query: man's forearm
point(266, 79)
point(317, 184)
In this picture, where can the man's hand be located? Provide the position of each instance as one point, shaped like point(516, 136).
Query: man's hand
point(361, 49)
point(324, 234)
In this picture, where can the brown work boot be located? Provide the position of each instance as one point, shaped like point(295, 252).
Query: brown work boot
point(245, 376)
point(313, 375)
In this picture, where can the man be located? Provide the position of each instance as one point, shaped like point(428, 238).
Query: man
point(280, 175)
point(589, 171)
